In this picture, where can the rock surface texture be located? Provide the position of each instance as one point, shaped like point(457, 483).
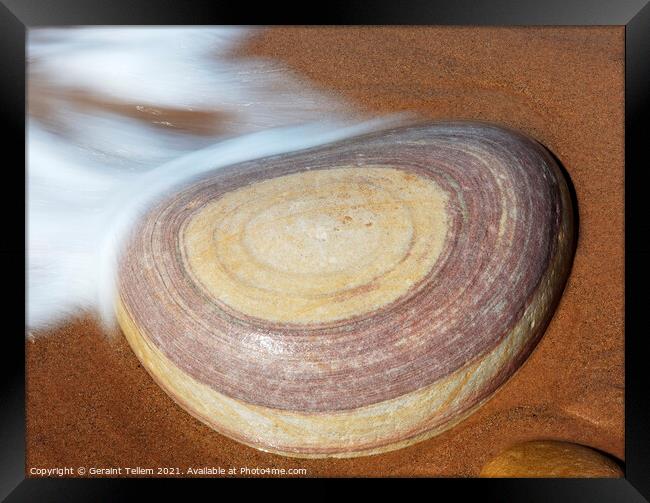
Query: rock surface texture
point(351, 299)
point(551, 459)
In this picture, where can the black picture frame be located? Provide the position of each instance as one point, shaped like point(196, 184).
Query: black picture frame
point(17, 16)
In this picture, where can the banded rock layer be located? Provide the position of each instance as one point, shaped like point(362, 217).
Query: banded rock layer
point(354, 298)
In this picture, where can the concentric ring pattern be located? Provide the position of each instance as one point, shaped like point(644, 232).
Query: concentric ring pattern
point(353, 298)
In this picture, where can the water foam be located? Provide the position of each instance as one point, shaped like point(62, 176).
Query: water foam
point(99, 152)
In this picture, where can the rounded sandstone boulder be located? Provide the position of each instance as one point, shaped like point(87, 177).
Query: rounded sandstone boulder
point(353, 298)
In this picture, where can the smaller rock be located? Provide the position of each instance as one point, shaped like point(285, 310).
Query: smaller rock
point(551, 459)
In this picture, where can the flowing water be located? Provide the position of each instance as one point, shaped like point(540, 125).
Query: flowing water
point(119, 116)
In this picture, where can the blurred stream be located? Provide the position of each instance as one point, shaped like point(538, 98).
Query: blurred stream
point(119, 116)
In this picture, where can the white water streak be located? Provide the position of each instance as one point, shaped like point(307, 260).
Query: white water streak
point(92, 170)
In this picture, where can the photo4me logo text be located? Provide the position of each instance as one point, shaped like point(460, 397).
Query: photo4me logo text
point(246, 471)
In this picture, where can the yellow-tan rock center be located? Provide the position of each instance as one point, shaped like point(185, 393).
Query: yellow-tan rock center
point(317, 246)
